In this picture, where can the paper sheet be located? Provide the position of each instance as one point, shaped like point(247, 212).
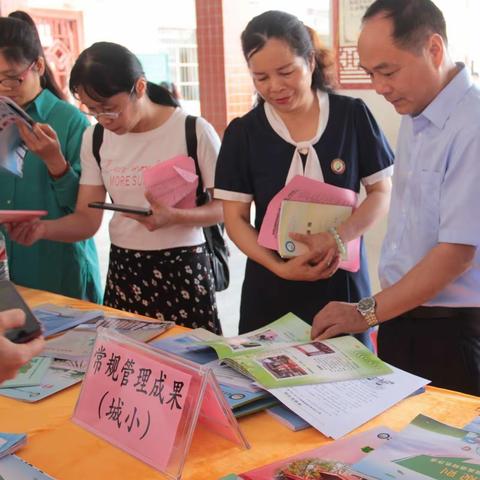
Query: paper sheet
point(336, 409)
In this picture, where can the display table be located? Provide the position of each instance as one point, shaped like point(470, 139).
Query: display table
point(67, 452)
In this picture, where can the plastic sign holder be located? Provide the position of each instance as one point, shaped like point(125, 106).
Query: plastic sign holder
point(148, 402)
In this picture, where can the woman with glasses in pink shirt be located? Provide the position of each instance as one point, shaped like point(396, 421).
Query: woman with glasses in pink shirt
point(159, 265)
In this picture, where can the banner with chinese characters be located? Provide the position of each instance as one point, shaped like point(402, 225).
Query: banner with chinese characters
point(147, 402)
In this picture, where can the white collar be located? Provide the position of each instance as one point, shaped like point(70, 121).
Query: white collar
point(312, 168)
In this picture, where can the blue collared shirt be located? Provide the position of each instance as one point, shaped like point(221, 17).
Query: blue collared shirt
point(436, 188)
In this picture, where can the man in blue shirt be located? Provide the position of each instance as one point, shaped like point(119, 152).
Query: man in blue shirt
point(429, 308)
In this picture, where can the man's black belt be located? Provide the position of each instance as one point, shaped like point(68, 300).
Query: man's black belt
point(444, 312)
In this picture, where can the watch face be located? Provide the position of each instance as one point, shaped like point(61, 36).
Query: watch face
point(366, 304)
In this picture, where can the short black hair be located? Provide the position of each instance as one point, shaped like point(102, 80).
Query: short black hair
point(413, 20)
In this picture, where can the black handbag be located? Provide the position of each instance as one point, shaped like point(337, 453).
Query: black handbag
point(214, 234)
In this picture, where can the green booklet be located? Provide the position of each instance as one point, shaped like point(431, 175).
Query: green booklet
point(281, 354)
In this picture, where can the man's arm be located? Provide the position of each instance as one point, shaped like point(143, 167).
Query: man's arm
point(441, 266)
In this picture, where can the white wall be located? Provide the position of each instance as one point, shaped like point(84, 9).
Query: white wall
point(132, 24)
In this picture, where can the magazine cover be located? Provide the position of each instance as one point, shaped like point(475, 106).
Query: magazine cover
point(12, 148)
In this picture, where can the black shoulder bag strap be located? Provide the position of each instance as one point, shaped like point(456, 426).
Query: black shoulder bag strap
point(97, 140)
point(191, 136)
point(214, 239)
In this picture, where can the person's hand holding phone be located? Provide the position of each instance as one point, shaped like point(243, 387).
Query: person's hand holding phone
point(14, 355)
point(162, 215)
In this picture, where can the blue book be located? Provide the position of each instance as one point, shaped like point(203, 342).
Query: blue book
point(288, 418)
point(56, 319)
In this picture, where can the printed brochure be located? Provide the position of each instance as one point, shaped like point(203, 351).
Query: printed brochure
point(55, 380)
point(332, 461)
point(336, 409)
point(426, 449)
point(56, 319)
point(12, 147)
point(132, 327)
point(77, 344)
point(30, 374)
point(281, 354)
point(242, 397)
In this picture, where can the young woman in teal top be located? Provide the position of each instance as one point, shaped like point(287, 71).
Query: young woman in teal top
point(51, 168)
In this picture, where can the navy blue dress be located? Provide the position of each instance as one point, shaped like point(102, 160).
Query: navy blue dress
point(254, 160)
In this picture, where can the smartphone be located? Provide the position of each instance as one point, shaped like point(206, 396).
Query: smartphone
point(121, 208)
point(10, 298)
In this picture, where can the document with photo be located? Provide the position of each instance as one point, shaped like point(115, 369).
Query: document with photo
point(281, 354)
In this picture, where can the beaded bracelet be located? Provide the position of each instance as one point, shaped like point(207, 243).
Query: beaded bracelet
point(342, 249)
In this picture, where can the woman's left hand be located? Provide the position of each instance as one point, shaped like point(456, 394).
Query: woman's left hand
point(42, 140)
point(318, 242)
point(162, 215)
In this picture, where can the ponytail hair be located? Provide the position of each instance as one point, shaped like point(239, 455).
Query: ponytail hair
point(324, 72)
point(20, 42)
point(106, 69)
point(303, 41)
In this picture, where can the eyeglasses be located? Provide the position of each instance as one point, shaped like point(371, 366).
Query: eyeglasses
point(110, 115)
point(11, 83)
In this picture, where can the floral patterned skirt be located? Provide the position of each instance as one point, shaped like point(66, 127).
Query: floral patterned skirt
point(175, 284)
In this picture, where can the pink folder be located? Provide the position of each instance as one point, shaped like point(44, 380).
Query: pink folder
point(305, 189)
point(14, 216)
point(173, 182)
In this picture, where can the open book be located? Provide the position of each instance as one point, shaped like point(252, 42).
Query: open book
point(281, 354)
point(12, 147)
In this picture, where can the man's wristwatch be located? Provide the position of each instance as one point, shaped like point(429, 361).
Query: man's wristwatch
point(366, 307)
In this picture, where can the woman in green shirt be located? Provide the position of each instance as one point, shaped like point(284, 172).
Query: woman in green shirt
point(51, 169)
